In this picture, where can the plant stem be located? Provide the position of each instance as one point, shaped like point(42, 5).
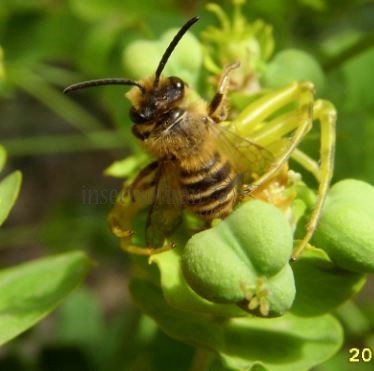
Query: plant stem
point(56, 75)
point(52, 98)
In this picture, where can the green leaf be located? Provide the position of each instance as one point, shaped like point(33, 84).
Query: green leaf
point(319, 5)
point(126, 167)
point(92, 10)
point(2, 157)
point(9, 189)
point(81, 320)
point(279, 344)
point(49, 36)
point(125, 12)
point(100, 42)
point(290, 65)
point(28, 292)
point(359, 82)
point(321, 286)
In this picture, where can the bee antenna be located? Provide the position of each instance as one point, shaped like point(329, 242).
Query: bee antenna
point(100, 82)
point(171, 48)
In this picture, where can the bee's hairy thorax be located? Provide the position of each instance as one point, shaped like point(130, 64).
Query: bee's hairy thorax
point(182, 132)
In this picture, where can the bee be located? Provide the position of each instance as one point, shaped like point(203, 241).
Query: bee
point(198, 164)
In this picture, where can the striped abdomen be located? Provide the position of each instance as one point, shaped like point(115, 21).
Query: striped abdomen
point(210, 191)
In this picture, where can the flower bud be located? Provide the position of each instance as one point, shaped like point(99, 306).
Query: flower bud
point(346, 228)
point(244, 260)
point(142, 57)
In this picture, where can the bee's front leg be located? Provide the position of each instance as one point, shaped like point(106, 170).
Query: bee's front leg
point(217, 108)
point(140, 183)
point(133, 198)
point(127, 246)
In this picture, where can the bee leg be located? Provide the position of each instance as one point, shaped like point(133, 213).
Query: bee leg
point(217, 109)
point(324, 112)
point(136, 184)
point(125, 209)
point(127, 246)
point(245, 191)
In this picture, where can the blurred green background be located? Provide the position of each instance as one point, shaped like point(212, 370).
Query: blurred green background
point(62, 145)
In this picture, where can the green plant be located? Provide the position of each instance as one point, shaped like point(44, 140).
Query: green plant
point(328, 43)
point(31, 290)
point(203, 289)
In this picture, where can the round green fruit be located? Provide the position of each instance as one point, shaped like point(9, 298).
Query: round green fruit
point(346, 228)
point(227, 262)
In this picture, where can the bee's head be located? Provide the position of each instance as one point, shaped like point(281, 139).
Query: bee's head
point(155, 96)
point(154, 101)
point(159, 95)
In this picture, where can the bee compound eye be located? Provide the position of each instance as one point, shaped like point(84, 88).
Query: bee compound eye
point(176, 83)
point(136, 116)
point(175, 89)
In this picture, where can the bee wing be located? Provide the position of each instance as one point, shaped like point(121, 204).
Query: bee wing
point(165, 213)
point(247, 158)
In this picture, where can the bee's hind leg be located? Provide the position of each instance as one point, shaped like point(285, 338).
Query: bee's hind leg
point(217, 108)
